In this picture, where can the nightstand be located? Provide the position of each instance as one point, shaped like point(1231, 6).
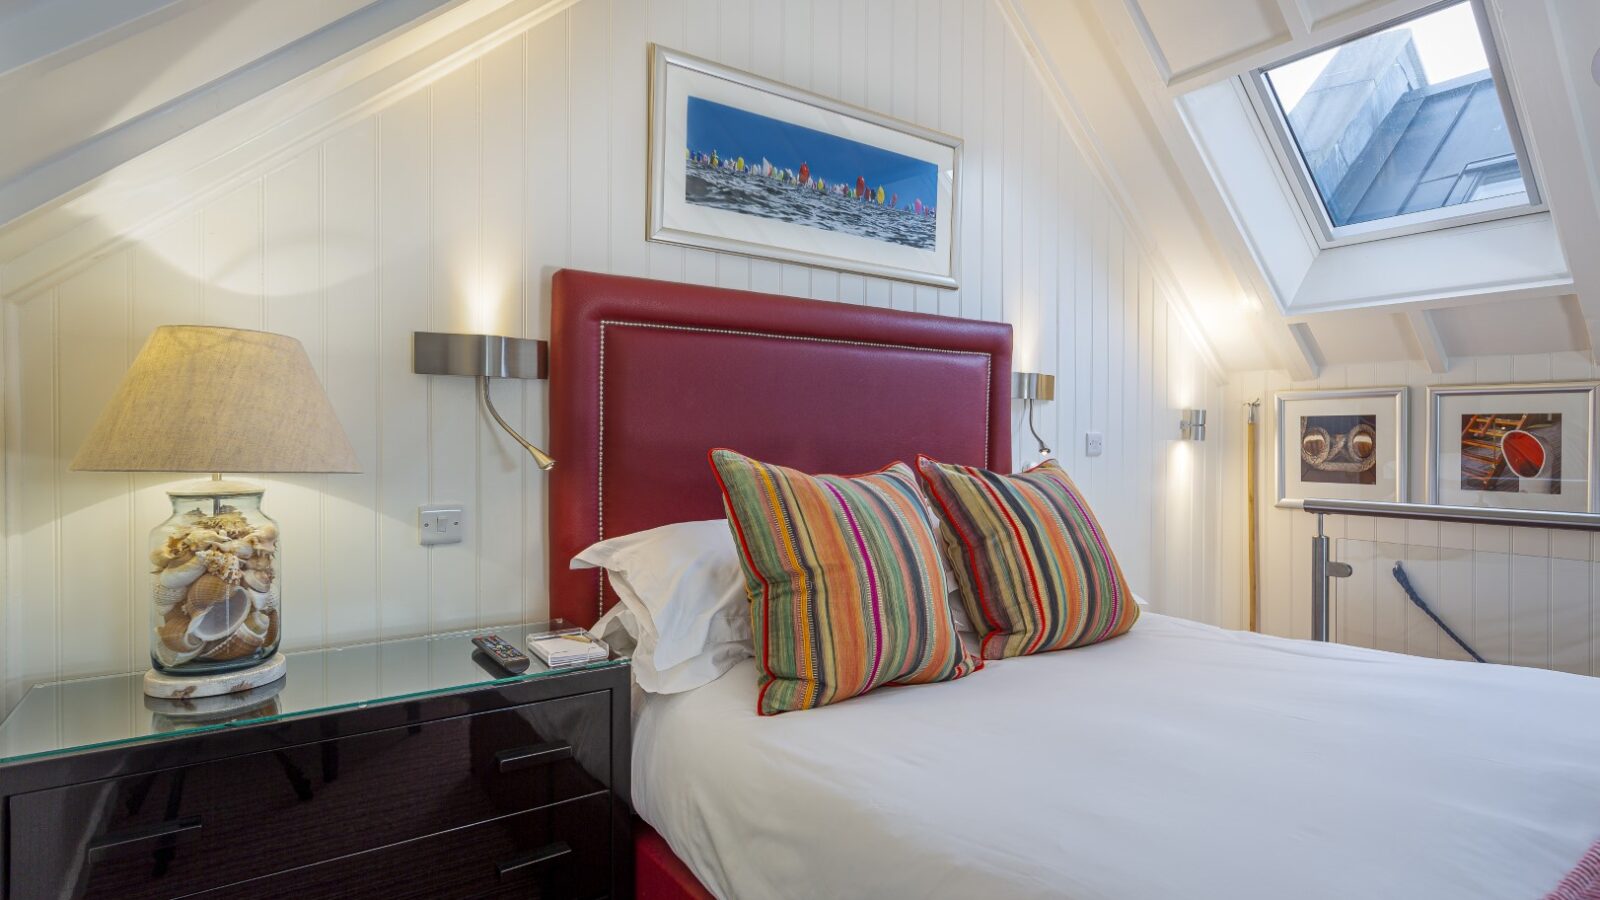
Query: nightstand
point(399, 769)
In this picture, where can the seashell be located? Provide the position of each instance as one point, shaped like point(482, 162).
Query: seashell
point(223, 565)
point(185, 574)
point(170, 658)
point(240, 548)
point(267, 533)
point(174, 634)
point(258, 580)
point(266, 601)
point(272, 626)
point(244, 641)
point(262, 561)
point(168, 597)
point(206, 590)
point(222, 618)
point(200, 538)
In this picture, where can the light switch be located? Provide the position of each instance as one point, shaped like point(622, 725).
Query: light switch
point(1094, 443)
point(440, 524)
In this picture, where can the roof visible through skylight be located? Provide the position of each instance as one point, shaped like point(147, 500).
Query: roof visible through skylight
point(1402, 122)
point(1447, 42)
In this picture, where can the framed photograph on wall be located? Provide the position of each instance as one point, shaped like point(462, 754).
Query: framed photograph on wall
point(1513, 446)
point(1341, 445)
point(742, 164)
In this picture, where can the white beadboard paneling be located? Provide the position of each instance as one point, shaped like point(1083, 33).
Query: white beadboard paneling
point(1525, 596)
point(448, 208)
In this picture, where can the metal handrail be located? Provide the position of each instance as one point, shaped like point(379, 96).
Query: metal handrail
point(1324, 568)
point(1468, 515)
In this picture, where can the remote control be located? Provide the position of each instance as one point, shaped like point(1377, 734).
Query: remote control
point(505, 656)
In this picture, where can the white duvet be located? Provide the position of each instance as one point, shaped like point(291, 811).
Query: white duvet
point(1177, 761)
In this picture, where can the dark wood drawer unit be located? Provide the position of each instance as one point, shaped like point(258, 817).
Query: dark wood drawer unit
point(513, 790)
point(555, 852)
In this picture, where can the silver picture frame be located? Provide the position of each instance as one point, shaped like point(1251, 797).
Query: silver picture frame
point(1589, 391)
point(941, 268)
point(1396, 398)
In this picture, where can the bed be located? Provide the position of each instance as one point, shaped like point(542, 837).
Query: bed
point(1177, 760)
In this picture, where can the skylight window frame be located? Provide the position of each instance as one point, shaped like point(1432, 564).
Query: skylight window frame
point(1275, 126)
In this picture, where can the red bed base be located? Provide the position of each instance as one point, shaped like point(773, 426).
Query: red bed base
point(658, 873)
point(646, 376)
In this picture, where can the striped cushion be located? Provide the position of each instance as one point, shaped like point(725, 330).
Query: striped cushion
point(846, 585)
point(1031, 562)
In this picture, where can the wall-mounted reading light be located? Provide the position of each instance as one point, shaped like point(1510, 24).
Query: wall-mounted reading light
point(1031, 386)
point(1192, 427)
point(485, 356)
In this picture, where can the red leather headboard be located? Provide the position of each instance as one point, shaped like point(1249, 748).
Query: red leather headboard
point(647, 376)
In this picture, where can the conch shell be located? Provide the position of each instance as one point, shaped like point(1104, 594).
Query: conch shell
point(174, 645)
point(175, 633)
point(245, 640)
point(206, 590)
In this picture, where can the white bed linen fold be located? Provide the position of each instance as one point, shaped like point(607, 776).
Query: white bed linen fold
point(1177, 761)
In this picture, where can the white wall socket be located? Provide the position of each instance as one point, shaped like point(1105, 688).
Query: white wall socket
point(1094, 443)
point(440, 524)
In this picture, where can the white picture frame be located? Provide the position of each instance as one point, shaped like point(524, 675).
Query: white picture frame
point(1478, 467)
point(763, 136)
point(1319, 436)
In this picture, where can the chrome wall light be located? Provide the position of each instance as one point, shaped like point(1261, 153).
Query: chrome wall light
point(1029, 387)
point(485, 356)
point(1192, 427)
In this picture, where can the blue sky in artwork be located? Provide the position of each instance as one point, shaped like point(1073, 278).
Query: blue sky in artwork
point(734, 132)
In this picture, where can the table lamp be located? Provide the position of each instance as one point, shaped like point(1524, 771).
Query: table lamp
point(201, 399)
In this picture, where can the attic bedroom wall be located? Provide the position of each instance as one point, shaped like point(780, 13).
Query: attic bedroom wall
point(1528, 596)
point(449, 209)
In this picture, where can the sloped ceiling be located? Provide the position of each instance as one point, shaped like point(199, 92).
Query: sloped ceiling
point(86, 85)
point(1154, 52)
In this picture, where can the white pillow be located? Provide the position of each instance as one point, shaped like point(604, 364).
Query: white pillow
point(618, 628)
point(683, 589)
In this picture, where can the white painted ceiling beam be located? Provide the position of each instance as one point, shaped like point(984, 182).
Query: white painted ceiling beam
point(1426, 333)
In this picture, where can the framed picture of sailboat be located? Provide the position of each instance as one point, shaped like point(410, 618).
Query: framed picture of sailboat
point(1341, 445)
point(743, 164)
point(1513, 446)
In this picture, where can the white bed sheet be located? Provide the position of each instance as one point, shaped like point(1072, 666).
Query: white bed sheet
point(1179, 760)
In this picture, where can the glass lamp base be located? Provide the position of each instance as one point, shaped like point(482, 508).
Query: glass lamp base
point(215, 598)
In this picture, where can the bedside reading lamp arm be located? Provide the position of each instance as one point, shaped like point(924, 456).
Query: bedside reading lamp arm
point(540, 458)
point(485, 356)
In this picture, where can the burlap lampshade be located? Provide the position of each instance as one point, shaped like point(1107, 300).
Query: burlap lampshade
point(201, 399)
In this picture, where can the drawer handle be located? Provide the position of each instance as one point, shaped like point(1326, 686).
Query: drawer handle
point(532, 755)
point(135, 841)
point(538, 857)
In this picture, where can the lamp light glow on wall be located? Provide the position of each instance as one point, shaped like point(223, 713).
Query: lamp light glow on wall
point(485, 356)
point(1192, 427)
point(1029, 387)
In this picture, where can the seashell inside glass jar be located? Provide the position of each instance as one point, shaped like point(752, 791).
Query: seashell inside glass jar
point(214, 587)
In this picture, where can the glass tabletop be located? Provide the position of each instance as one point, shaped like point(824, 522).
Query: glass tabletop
point(68, 716)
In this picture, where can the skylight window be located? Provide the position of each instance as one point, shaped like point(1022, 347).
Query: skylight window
point(1400, 129)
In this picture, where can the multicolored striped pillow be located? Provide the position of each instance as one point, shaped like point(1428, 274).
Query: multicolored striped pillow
point(1033, 566)
point(846, 584)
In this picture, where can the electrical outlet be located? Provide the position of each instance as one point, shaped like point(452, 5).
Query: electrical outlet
point(440, 524)
point(1094, 443)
